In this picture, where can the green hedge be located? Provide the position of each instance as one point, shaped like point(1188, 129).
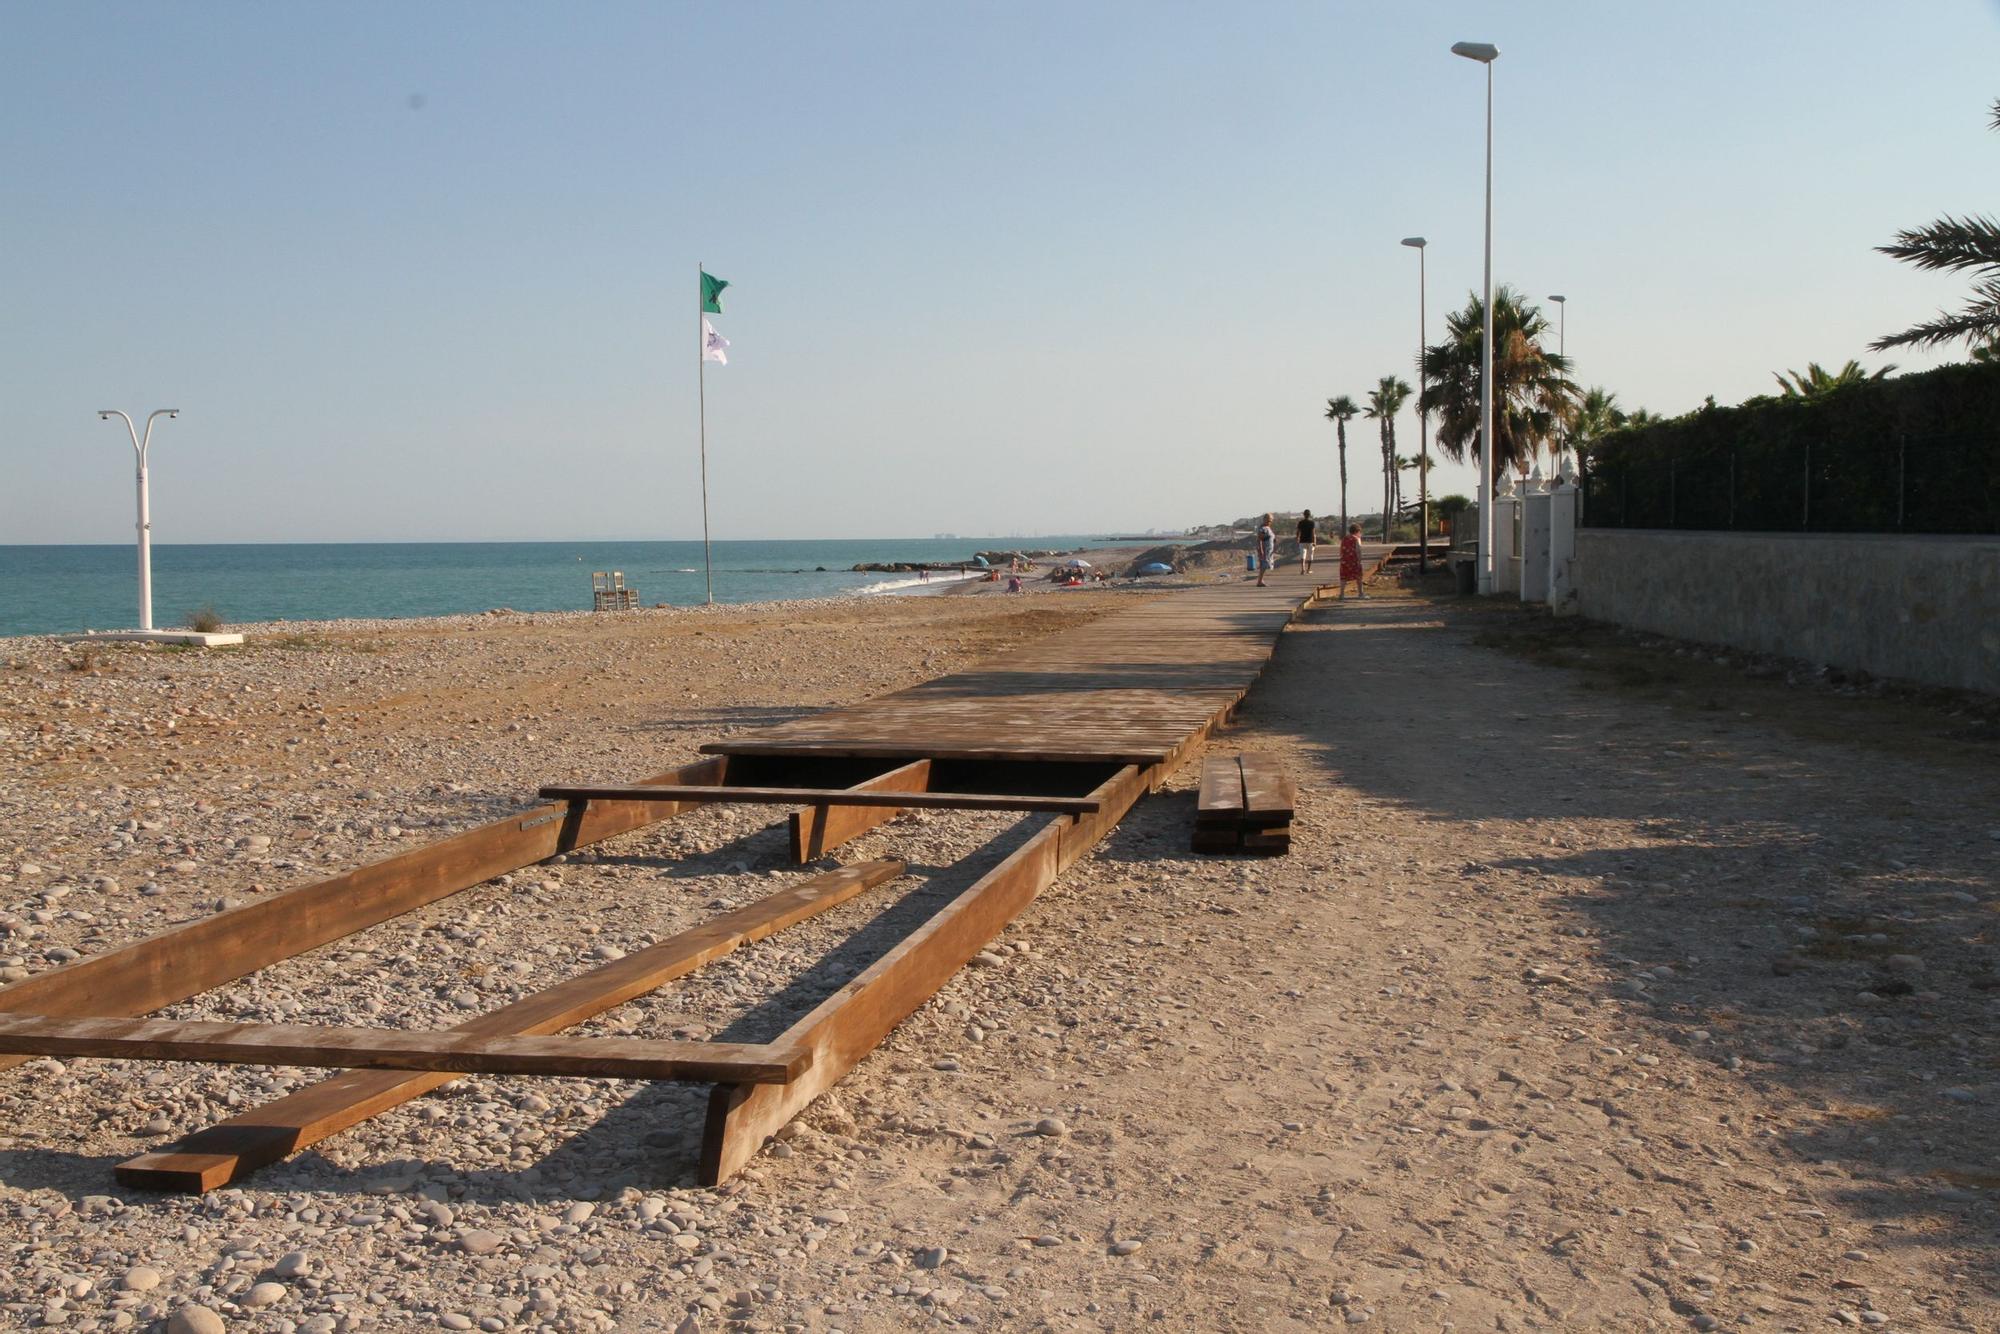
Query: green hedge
point(1917, 454)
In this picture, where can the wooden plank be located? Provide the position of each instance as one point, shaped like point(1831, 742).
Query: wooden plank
point(234, 1148)
point(817, 830)
point(849, 1024)
point(832, 796)
point(189, 959)
point(1221, 795)
point(916, 747)
point(1268, 791)
point(389, 1049)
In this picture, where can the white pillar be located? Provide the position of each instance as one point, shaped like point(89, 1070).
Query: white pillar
point(1505, 526)
point(1562, 542)
point(1534, 504)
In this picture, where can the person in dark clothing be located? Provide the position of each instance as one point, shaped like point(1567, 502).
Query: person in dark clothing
point(1308, 531)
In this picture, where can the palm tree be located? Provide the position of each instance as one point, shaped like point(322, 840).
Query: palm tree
point(1597, 415)
point(1385, 400)
point(1816, 379)
point(1531, 389)
point(1340, 411)
point(1953, 243)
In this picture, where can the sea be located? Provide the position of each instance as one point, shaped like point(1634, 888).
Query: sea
point(68, 589)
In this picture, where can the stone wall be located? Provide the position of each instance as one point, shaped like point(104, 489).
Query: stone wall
point(1919, 608)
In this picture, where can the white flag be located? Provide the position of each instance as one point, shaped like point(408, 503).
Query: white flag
point(714, 347)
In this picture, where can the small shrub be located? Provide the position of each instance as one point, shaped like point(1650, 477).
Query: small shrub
point(87, 658)
point(204, 619)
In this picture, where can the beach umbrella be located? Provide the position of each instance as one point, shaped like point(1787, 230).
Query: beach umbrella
point(1156, 567)
point(1077, 563)
point(979, 561)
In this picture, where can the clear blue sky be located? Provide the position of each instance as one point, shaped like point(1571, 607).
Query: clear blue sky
point(426, 271)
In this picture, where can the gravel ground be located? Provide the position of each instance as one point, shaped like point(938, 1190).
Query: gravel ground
point(1574, 1005)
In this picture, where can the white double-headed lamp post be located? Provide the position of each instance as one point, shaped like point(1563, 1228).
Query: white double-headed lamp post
point(1562, 351)
point(1417, 243)
point(1485, 53)
point(139, 446)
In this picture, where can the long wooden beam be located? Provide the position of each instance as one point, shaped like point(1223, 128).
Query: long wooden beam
point(232, 1149)
point(849, 1024)
point(819, 829)
point(391, 1049)
point(832, 796)
point(903, 750)
point(187, 960)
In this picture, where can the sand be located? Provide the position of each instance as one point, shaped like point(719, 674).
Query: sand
point(1582, 1000)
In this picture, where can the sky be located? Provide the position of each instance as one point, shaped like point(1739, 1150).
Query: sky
point(428, 272)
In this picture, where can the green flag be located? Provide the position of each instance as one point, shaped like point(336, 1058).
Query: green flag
point(711, 293)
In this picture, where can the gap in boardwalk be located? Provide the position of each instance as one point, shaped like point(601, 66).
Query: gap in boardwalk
point(476, 951)
point(440, 965)
point(758, 991)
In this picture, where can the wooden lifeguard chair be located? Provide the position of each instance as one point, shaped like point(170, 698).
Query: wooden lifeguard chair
point(608, 592)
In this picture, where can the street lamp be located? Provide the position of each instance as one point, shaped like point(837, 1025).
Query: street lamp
point(1418, 243)
point(1485, 53)
point(1562, 351)
point(139, 447)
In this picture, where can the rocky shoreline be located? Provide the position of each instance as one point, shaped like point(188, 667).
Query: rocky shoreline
point(982, 560)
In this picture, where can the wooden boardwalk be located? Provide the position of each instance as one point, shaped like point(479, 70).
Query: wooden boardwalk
point(1134, 687)
point(1106, 711)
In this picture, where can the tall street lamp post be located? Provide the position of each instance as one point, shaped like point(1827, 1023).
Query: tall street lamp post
point(1562, 351)
point(1485, 53)
point(139, 448)
point(1418, 243)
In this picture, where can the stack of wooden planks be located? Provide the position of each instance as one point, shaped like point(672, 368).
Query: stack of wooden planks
point(1246, 806)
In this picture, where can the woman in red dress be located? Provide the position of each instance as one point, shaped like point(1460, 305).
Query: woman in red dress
point(1350, 561)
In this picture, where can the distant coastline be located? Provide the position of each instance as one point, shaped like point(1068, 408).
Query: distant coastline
point(63, 589)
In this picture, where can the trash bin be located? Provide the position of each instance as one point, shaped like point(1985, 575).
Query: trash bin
point(1250, 564)
point(1467, 579)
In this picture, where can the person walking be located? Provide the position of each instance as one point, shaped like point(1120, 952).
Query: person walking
point(1267, 548)
point(1308, 530)
point(1350, 561)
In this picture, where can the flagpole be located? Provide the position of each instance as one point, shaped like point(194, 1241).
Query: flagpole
point(701, 392)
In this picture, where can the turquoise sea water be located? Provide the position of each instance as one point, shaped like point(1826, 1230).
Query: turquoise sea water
point(59, 589)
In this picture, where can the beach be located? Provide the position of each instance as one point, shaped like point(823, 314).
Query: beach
point(1548, 1020)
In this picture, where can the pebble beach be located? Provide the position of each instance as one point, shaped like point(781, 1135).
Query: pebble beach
point(1641, 1014)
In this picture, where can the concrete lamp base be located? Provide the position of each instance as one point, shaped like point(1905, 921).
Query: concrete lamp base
point(195, 638)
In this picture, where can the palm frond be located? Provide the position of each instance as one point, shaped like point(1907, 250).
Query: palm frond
point(1980, 320)
point(1949, 243)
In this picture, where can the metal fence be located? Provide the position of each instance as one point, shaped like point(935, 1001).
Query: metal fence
point(1906, 484)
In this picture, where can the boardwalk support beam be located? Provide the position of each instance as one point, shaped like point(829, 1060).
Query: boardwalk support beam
point(849, 1024)
point(230, 1150)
